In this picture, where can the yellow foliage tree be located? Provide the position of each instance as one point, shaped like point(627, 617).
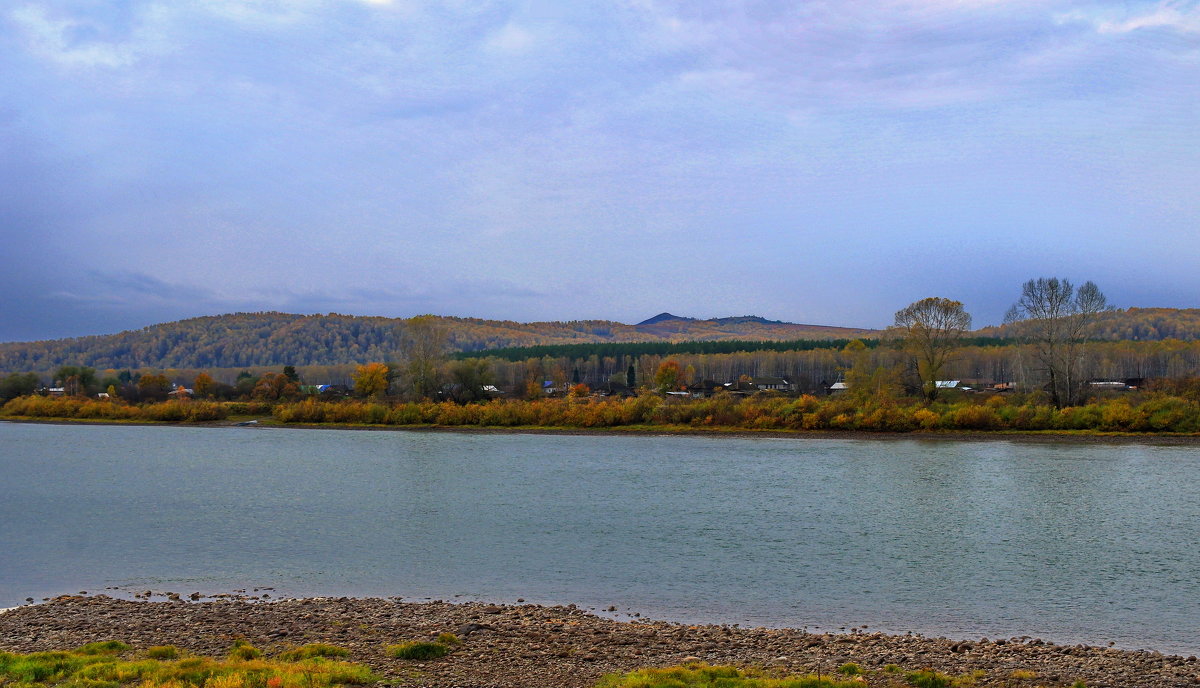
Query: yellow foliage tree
point(204, 385)
point(371, 380)
point(668, 375)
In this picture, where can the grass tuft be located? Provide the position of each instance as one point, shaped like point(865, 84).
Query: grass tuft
point(107, 647)
point(244, 651)
point(163, 652)
point(418, 650)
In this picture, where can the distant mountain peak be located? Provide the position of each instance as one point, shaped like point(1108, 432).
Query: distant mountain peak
point(664, 317)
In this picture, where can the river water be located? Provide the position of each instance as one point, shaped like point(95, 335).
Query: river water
point(1072, 543)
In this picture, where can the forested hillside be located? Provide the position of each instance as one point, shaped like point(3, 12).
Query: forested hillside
point(1136, 324)
point(245, 340)
point(272, 339)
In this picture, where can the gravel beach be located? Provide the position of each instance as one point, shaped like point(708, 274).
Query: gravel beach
point(530, 646)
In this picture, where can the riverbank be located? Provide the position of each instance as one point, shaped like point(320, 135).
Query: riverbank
point(1146, 414)
point(1043, 436)
point(529, 646)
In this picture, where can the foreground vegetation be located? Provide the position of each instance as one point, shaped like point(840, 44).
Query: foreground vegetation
point(1145, 413)
point(704, 676)
point(848, 675)
point(113, 664)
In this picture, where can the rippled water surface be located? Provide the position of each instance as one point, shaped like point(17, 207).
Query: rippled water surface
point(1075, 543)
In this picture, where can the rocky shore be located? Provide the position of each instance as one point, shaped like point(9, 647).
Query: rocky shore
point(529, 646)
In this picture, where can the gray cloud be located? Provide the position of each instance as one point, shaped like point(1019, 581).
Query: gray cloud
point(815, 162)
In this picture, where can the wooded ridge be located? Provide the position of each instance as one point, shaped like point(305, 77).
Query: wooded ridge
point(273, 339)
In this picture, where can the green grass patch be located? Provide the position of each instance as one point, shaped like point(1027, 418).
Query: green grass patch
point(163, 652)
point(448, 639)
point(97, 666)
point(314, 650)
point(418, 650)
point(705, 676)
point(107, 647)
point(244, 651)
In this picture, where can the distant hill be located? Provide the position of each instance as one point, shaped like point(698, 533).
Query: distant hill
point(275, 339)
point(664, 317)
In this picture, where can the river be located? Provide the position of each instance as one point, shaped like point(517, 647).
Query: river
point(1073, 543)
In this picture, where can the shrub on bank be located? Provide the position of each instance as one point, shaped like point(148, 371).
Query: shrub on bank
point(175, 410)
point(1158, 414)
point(1154, 413)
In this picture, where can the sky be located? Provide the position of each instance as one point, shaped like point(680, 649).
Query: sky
point(824, 162)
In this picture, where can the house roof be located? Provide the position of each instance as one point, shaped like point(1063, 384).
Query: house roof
point(769, 381)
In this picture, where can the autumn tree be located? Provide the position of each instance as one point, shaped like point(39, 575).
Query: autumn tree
point(867, 380)
point(153, 387)
point(1054, 319)
point(275, 386)
point(423, 344)
point(667, 376)
point(931, 330)
point(204, 385)
point(370, 380)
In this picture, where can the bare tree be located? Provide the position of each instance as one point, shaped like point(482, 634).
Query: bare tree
point(1055, 319)
point(931, 329)
point(423, 344)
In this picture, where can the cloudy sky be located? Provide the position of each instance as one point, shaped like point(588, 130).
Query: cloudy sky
point(822, 161)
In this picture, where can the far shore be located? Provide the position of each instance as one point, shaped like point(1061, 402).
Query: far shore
point(1041, 436)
